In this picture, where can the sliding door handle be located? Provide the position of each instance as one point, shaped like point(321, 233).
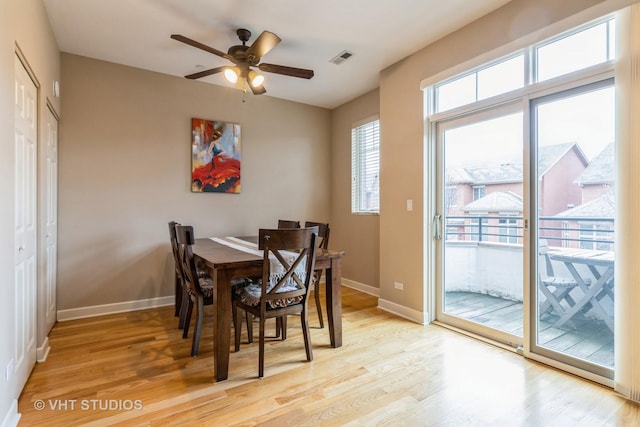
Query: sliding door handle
point(437, 227)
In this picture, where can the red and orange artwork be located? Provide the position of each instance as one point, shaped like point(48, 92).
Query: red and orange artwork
point(215, 156)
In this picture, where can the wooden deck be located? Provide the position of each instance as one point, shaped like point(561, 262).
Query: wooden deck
point(583, 337)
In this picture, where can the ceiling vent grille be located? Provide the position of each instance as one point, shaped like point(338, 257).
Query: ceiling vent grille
point(341, 57)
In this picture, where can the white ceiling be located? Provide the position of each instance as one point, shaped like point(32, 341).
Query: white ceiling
point(378, 32)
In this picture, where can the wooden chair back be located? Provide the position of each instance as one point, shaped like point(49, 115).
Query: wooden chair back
point(174, 247)
point(323, 233)
point(285, 223)
point(186, 239)
point(292, 280)
point(179, 292)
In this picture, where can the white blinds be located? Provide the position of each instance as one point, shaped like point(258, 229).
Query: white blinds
point(365, 167)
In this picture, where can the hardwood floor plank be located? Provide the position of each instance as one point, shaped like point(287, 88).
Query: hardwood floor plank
point(389, 372)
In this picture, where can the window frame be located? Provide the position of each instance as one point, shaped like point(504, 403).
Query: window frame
point(359, 169)
point(531, 80)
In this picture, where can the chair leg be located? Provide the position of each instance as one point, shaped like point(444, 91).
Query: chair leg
point(283, 325)
point(278, 326)
point(307, 336)
point(198, 329)
point(316, 291)
point(237, 316)
point(249, 319)
point(261, 349)
point(187, 319)
point(183, 309)
point(178, 290)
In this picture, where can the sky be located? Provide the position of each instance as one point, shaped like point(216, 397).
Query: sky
point(588, 119)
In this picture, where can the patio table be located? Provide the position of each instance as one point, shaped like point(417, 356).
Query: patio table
point(601, 265)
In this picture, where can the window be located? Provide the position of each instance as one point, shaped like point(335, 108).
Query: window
point(577, 51)
point(365, 167)
point(596, 236)
point(508, 230)
point(563, 91)
point(501, 77)
point(566, 53)
point(451, 200)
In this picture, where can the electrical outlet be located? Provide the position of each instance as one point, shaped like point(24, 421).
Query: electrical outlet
point(398, 285)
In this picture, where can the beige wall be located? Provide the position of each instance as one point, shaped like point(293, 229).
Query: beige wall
point(125, 172)
point(357, 235)
point(23, 23)
point(402, 253)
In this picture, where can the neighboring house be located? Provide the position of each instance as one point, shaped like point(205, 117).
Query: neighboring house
point(472, 191)
point(559, 165)
point(496, 217)
point(599, 177)
point(590, 225)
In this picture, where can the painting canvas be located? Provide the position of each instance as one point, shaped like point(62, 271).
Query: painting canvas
point(215, 156)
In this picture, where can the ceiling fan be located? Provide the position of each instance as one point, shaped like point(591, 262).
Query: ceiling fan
point(245, 57)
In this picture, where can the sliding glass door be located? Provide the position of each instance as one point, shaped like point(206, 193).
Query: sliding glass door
point(480, 183)
point(573, 284)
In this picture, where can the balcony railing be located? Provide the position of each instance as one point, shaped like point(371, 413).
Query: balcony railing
point(585, 232)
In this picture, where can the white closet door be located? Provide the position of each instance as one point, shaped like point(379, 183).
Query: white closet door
point(49, 231)
point(25, 226)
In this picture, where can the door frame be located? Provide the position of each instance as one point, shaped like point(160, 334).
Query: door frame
point(532, 350)
point(511, 341)
point(47, 238)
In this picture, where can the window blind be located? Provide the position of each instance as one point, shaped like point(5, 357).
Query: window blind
point(365, 167)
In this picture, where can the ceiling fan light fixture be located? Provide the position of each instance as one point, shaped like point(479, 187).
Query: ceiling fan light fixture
point(255, 79)
point(231, 75)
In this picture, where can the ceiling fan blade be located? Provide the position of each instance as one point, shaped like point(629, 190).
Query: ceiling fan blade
point(287, 71)
point(199, 45)
point(263, 44)
point(205, 73)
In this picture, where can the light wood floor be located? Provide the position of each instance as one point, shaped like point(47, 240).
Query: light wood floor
point(389, 372)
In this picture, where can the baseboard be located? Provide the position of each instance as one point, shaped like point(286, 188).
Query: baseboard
point(12, 416)
point(43, 351)
point(404, 312)
point(119, 307)
point(388, 306)
point(367, 289)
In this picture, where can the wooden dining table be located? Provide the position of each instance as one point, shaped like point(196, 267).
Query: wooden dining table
point(223, 263)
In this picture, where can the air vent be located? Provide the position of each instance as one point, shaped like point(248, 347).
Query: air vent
point(341, 57)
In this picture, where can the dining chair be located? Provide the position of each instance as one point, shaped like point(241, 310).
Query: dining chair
point(323, 243)
point(286, 223)
point(198, 285)
point(281, 323)
point(181, 296)
point(555, 289)
point(287, 272)
point(199, 289)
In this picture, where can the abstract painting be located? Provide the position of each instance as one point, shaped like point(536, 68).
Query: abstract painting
point(215, 156)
